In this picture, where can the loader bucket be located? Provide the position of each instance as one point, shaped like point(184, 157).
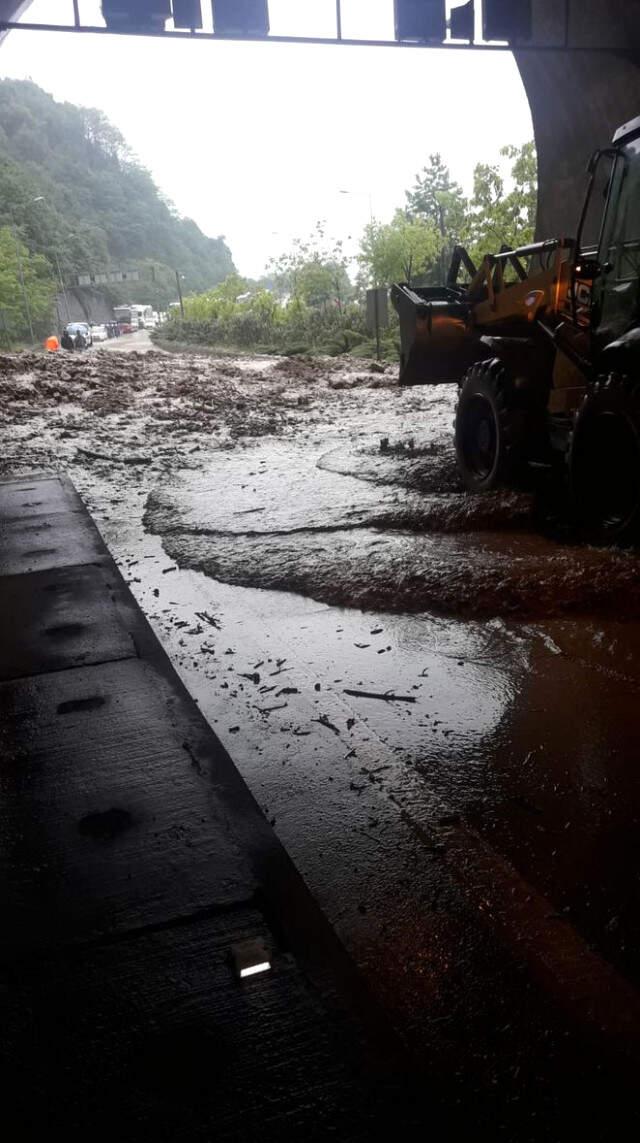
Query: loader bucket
point(437, 343)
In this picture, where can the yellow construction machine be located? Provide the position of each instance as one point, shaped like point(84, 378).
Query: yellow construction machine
point(544, 342)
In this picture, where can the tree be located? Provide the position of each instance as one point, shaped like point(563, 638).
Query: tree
point(314, 271)
point(501, 210)
point(524, 172)
point(27, 290)
point(437, 199)
point(500, 216)
point(401, 250)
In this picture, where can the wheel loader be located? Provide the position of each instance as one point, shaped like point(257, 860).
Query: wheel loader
point(544, 342)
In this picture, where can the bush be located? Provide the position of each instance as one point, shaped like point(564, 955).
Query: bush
point(262, 324)
point(330, 348)
point(352, 337)
point(363, 349)
point(244, 329)
point(295, 351)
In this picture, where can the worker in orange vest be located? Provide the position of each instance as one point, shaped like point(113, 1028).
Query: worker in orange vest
point(52, 344)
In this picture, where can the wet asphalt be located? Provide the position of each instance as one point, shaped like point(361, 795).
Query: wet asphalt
point(433, 701)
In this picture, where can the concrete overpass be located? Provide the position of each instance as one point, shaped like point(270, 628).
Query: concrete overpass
point(581, 85)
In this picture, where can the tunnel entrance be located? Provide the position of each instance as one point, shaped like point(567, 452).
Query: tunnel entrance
point(440, 728)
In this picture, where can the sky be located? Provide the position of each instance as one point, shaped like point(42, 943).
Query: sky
point(255, 141)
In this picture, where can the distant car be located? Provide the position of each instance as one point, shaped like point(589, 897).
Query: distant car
point(76, 335)
point(99, 332)
point(149, 323)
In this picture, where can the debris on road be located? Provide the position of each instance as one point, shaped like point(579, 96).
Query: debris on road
point(386, 697)
point(323, 719)
point(212, 621)
point(269, 709)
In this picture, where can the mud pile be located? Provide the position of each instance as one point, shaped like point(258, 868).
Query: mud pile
point(184, 401)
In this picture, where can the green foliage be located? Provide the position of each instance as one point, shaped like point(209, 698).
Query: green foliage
point(307, 308)
point(232, 317)
point(400, 250)
point(437, 199)
point(27, 289)
point(98, 209)
point(314, 271)
point(500, 211)
point(497, 215)
point(307, 303)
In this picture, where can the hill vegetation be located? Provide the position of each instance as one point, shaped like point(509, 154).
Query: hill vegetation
point(72, 194)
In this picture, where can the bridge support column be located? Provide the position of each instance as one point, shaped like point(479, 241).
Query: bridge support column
point(577, 100)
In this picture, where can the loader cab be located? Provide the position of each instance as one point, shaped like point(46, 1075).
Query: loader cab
point(606, 280)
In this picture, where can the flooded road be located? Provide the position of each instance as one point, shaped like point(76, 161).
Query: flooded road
point(433, 702)
point(138, 342)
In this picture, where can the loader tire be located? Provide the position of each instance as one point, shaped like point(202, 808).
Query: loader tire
point(490, 430)
point(604, 462)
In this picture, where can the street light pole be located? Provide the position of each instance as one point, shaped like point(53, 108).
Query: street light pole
point(178, 284)
point(61, 280)
point(41, 198)
point(22, 283)
point(376, 296)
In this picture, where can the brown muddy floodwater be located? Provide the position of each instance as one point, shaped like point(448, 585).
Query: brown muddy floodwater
point(342, 528)
point(381, 653)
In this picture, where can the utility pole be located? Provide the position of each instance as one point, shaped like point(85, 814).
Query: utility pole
point(24, 288)
point(61, 280)
point(178, 284)
point(41, 198)
point(5, 329)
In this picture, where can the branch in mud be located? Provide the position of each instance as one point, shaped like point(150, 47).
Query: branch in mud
point(210, 619)
point(115, 459)
point(324, 721)
point(384, 697)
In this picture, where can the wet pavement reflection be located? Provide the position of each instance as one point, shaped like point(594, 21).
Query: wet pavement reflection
point(433, 701)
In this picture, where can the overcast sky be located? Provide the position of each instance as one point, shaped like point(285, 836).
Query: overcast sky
point(255, 141)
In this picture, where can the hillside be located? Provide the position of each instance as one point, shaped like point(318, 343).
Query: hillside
point(100, 209)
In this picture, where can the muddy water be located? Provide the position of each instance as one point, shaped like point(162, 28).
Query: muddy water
point(349, 526)
point(387, 533)
point(285, 559)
